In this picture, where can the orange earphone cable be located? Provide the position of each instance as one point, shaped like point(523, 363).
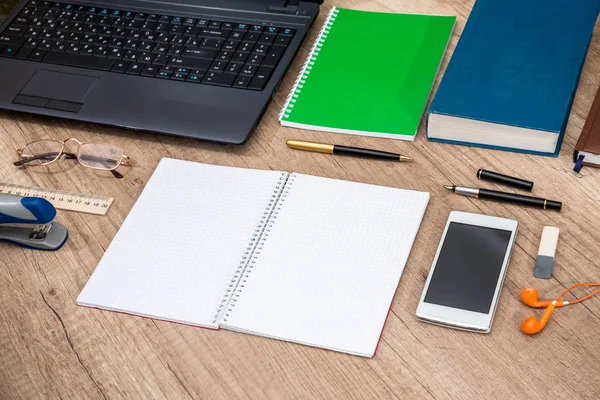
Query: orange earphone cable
point(584, 297)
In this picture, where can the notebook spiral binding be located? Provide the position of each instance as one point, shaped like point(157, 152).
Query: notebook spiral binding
point(261, 233)
point(308, 64)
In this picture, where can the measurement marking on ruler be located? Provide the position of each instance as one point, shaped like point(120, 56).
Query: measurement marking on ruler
point(70, 201)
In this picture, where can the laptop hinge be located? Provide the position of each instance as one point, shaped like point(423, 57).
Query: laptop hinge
point(289, 7)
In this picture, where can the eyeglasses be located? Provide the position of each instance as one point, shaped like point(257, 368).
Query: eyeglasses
point(92, 155)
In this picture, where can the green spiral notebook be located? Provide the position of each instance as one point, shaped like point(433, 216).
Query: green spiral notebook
point(369, 73)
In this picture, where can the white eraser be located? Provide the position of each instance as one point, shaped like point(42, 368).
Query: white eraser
point(549, 241)
point(545, 258)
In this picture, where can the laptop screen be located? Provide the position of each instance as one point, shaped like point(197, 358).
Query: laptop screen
point(5, 7)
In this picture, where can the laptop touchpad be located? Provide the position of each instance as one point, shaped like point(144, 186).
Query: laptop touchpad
point(56, 90)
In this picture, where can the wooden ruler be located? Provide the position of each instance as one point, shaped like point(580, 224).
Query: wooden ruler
point(78, 202)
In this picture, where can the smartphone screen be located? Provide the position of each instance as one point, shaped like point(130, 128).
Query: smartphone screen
point(468, 267)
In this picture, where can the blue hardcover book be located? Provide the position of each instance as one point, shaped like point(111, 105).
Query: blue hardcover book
point(511, 81)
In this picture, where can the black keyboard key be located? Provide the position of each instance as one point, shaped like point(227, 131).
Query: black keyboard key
point(273, 56)
point(189, 22)
point(87, 50)
point(37, 55)
point(16, 29)
point(200, 53)
point(134, 69)
point(212, 43)
point(214, 24)
point(271, 29)
point(116, 54)
point(175, 51)
point(202, 23)
point(241, 27)
point(30, 43)
point(23, 53)
point(240, 57)
point(213, 33)
point(237, 36)
point(177, 21)
point(224, 56)
point(218, 79)
point(251, 37)
point(176, 29)
point(178, 40)
point(230, 45)
point(218, 66)
point(9, 51)
point(152, 18)
point(160, 59)
point(6, 39)
point(266, 38)
point(131, 44)
point(255, 59)
point(287, 32)
point(256, 28)
point(260, 78)
point(164, 75)
point(261, 48)
point(101, 51)
point(165, 19)
point(73, 48)
point(242, 82)
point(246, 47)
point(194, 78)
point(76, 60)
point(191, 31)
point(160, 48)
point(146, 58)
point(188, 62)
point(131, 55)
point(227, 26)
point(149, 70)
point(120, 67)
point(60, 46)
point(249, 70)
point(193, 42)
point(178, 76)
point(233, 68)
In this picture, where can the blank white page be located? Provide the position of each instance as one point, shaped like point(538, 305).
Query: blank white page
point(178, 248)
point(327, 272)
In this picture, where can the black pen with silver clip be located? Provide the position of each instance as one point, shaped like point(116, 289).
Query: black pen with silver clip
point(486, 194)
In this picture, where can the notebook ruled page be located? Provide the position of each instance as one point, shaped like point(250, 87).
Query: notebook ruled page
point(179, 246)
point(326, 274)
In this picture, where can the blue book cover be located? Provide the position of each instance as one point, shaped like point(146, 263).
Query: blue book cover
point(518, 63)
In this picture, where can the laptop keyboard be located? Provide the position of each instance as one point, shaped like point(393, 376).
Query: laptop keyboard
point(192, 50)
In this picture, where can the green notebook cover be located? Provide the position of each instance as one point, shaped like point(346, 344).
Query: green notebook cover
point(369, 73)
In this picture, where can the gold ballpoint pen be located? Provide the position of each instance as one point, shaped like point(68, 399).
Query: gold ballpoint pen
point(344, 150)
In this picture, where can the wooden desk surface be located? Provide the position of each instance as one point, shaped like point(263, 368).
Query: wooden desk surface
point(51, 348)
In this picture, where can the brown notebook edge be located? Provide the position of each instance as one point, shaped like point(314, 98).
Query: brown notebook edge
point(589, 140)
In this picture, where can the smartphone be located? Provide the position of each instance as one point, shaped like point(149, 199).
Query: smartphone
point(465, 279)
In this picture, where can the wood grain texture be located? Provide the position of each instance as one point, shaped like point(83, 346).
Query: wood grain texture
point(51, 348)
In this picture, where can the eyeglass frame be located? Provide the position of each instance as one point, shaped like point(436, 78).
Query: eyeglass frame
point(125, 160)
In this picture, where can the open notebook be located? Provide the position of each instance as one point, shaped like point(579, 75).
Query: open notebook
point(289, 256)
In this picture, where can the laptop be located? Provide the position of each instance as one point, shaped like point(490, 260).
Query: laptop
point(203, 69)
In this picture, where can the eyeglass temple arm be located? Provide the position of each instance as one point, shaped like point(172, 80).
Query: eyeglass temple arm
point(41, 157)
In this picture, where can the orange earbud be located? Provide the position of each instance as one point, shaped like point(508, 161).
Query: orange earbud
point(530, 297)
point(531, 326)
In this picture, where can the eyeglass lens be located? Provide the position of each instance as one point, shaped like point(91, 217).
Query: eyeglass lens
point(41, 152)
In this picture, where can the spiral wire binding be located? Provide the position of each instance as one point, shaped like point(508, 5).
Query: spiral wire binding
point(308, 65)
point(248, 262)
